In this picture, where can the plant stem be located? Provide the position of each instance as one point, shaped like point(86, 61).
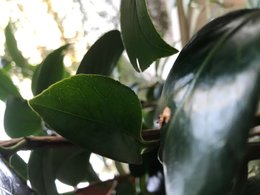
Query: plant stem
point(31, 143)
point(183, 22)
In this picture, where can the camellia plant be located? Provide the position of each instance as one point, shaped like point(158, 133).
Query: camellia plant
point(193, 134)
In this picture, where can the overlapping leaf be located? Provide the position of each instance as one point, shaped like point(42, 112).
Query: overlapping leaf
point(102, 57)
point(12, 48)
point(19, 119)
point(49, 71)
point(142, 42)
point(212, 92)
point(7, 87)
point(95, 112)
point(41, 172)
point(73, 166)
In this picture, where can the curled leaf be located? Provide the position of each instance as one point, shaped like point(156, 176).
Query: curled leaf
point(142, 42)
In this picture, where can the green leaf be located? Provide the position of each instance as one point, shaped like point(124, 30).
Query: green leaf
point(212, 92)
point(142, 42)
point(35, 77)
point(19, 166)
point(105, 115)
point(19, 119)
point(49, 71)
point(41, 173)
point(12, 48)
point(7, 87)
point(73, 166)
point(102, 57)
point(73, 170)
point(10, 183)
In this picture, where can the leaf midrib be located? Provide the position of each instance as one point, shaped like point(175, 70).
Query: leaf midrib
point(91, 120)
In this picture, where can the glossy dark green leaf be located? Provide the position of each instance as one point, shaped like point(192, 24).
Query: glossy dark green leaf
point(19, 119)
point(212, 92)
point(12, 48)
point(50, 70)
point(41, 172)
point(142, 42)
point(7, 87)
point(10, 183)
point(102, 57)
point(19, 166)
point(105, 115)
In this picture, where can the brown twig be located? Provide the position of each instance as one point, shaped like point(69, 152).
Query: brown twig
point(151, 134)
point(34, 142)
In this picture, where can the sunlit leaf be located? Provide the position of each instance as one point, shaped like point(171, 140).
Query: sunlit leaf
point(105, 115)
point(50, 71)
point(142, 42)
point(19, 119)
point(7, 87)
point(102, 57)
point(10, 183)
point(212, 92)
point(41, 172)
point(12, 48)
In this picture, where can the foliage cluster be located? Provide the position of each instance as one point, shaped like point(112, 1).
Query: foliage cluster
point(205, 112)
